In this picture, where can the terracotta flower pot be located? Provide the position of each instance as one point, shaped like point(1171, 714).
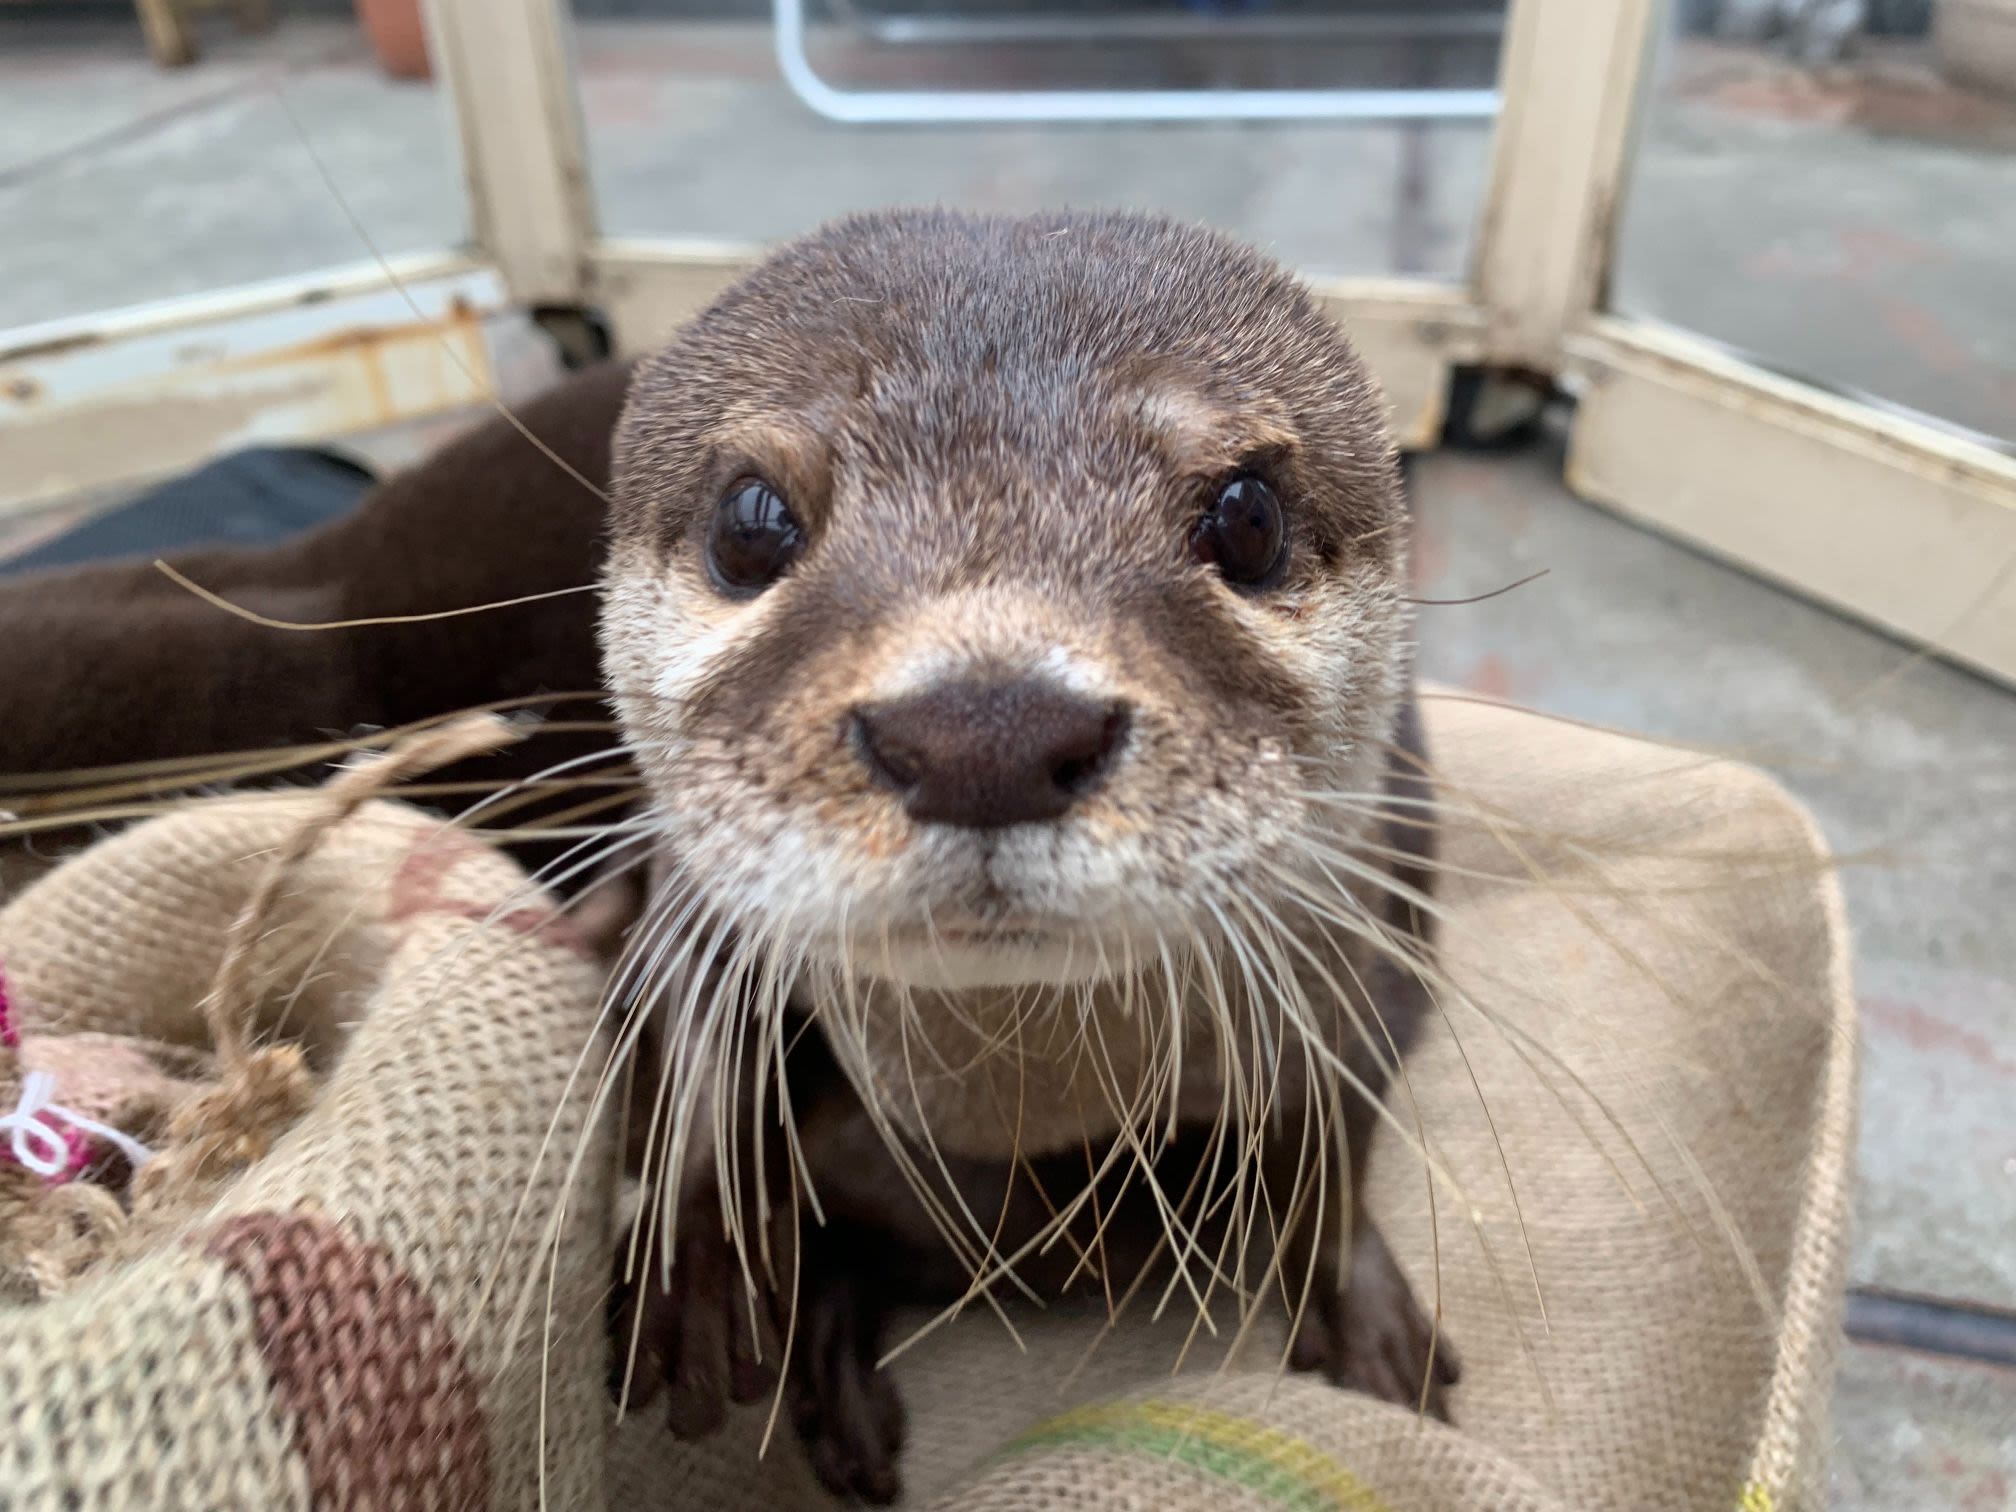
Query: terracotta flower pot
point(397, 36)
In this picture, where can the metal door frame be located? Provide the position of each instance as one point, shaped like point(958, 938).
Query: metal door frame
point(1888, 518)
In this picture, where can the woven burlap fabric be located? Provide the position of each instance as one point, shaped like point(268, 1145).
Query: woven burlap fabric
point(1650, 993)
point(1652, 996)
point(338, 1329)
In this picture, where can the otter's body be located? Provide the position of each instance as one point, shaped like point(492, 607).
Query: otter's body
point(114, 663)
point(1007, 616)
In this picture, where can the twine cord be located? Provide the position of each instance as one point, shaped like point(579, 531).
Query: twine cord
point(261, 1092)
point(54, 1231)
point(232, 1005)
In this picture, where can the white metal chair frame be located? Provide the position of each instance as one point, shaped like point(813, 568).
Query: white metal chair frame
point(940, 106)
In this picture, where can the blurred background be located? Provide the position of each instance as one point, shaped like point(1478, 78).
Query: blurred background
point(1743, 272)
point(1872, 153)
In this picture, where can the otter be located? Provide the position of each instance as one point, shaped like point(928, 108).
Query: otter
point(1007, 617)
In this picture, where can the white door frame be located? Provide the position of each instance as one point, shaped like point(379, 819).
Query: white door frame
point(1892, 520)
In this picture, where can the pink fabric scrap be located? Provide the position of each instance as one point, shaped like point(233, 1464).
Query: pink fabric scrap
point(76, 1142)
point(10, 1035)
point(80, 1150)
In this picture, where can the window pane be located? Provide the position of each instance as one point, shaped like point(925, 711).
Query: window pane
point(1850, 223)
point(123, 182)
point(694, 131)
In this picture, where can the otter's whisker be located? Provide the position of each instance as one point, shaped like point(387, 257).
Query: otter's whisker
point(1397, 1065)
point(1739, 1246)
point(980, 1258)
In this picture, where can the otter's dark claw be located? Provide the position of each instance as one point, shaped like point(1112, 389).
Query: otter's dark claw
point(1371, 1335)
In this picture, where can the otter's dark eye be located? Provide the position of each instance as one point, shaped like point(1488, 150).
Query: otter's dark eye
point(1242, 534)
point(753, 538)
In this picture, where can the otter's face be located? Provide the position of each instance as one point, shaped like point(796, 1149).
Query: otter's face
point(998, 601)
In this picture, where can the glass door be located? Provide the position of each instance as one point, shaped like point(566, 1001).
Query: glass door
point(1777, 345)
point(1350, 138)
point(1789, 332)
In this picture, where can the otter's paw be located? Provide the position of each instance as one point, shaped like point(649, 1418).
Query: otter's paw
point(1371, 1335)
point(703, 1339)
point(848, 1413)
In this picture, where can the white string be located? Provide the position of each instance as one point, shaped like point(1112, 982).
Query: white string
point(38, 1141)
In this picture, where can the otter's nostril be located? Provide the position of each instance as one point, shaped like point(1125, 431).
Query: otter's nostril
point(887, 760)
point(1082, 757)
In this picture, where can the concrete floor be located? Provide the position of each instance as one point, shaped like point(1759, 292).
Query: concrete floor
point(1871, 253)
point(1866, 253)
point(1918, 776)
point(1924, 1434)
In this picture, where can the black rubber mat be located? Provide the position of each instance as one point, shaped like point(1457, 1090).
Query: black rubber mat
point(248, 498)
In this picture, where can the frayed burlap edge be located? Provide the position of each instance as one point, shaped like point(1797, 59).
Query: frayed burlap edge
point(1788, 1468)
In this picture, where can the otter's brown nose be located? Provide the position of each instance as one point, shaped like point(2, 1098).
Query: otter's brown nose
point(988, 755)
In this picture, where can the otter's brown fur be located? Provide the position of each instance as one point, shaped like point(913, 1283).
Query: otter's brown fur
point(997, 435)
point(115, 663)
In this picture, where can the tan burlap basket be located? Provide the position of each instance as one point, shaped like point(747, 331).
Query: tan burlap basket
point(1655, 1008)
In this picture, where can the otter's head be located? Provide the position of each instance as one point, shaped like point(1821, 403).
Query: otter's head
point(993, 599)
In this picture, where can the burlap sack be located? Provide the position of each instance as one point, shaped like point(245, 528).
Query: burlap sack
point(1653, 1048)
point(338, 1331)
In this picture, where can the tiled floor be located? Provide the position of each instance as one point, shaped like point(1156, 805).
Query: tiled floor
point(1871, 249)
